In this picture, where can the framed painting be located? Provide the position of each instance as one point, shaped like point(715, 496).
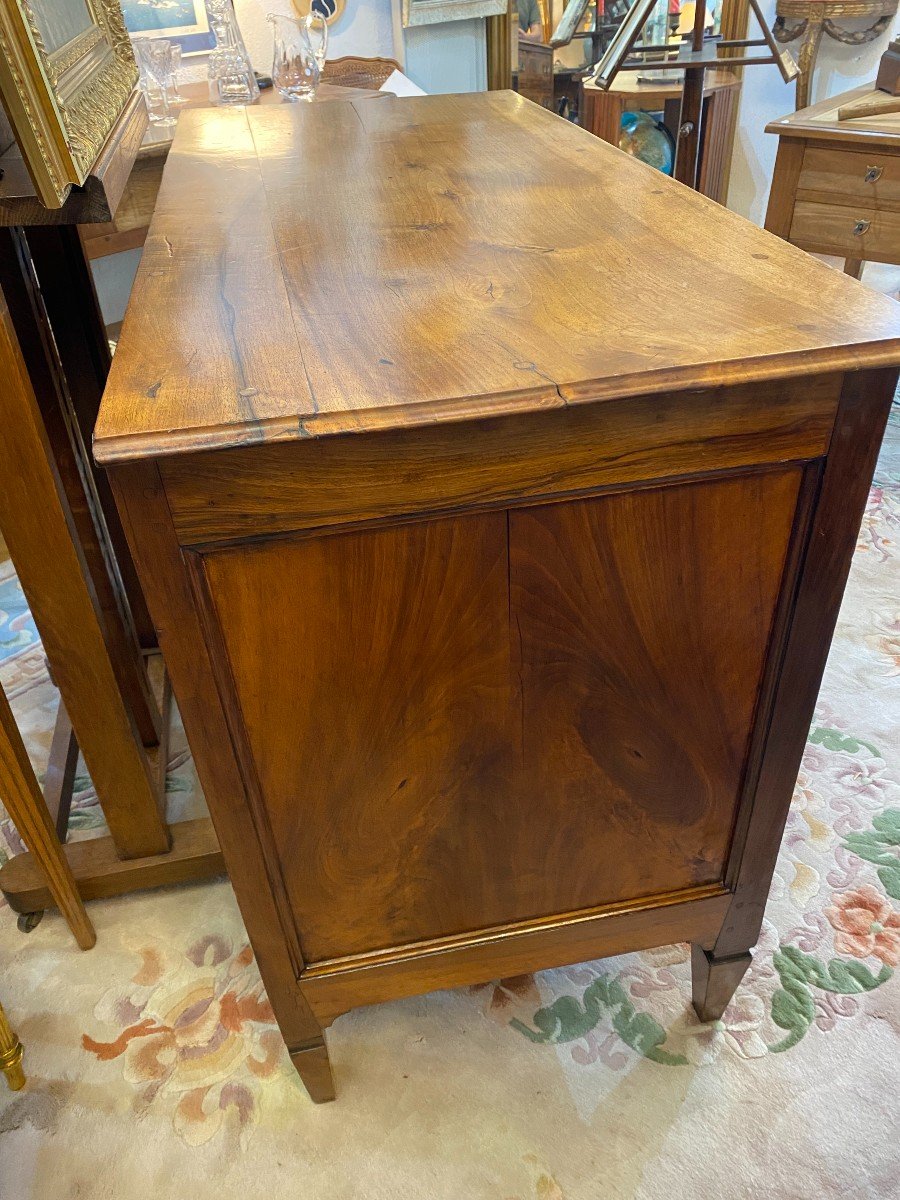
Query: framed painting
point(436, 12)
point(181, 21)
point(66, 73)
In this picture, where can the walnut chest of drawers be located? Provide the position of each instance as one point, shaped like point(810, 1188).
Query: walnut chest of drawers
point(494, 497)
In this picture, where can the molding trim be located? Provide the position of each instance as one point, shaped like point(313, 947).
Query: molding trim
point(334, 986)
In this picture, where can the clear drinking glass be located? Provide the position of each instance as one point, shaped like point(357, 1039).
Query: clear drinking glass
point(154, 60)
point(298, 56)
point(175, 96)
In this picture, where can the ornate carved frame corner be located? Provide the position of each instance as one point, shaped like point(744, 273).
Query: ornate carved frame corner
point(62, 104)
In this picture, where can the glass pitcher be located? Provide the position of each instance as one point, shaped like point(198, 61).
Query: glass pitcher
point(299, 56)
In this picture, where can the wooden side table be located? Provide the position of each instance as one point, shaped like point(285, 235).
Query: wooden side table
point(66, 541)
point(602, 115)
point(836, 186)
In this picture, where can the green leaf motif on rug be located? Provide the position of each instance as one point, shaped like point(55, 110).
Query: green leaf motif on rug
point(836, 740)
point(177, 783)
point(86, 818)
point(879, 845)
point(793, 1007)
point(567, 1019)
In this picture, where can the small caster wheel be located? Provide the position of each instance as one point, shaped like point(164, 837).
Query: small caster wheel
point(29, 921)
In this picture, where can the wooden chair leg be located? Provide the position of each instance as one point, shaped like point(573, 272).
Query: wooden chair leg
point(715, 981)
point(314, 1068)
point(22, 799)
point(10, 1055)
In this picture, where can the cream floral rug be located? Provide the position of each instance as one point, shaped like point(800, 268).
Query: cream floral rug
point(155, 1069)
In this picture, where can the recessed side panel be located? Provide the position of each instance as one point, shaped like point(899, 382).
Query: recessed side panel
point(372, 674)
point(643, 621)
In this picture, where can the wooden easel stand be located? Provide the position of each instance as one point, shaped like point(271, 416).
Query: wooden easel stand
point(66, 541)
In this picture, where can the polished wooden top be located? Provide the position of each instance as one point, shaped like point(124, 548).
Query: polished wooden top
point(319, 269)
point(821, 121)
point(158, 138)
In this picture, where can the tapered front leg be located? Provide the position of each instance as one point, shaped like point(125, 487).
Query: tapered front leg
point(314, 1068)
point(715, 981)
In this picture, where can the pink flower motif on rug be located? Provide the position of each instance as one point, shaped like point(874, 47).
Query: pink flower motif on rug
point(865, 924)
point(886, 641)
point(197, 1029)
point(880, 522)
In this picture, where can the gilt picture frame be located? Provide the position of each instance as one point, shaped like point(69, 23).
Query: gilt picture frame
point(67, 71)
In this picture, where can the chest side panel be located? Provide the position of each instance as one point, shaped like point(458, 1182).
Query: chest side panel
point(642, 625)
point(459, 723)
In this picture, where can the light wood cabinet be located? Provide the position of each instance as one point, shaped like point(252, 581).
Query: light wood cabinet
point(836, 185)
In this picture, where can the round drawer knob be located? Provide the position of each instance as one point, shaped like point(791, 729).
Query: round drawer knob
point(860, 227)
point(873, 174)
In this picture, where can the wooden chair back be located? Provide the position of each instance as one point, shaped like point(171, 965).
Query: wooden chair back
point(359, 72)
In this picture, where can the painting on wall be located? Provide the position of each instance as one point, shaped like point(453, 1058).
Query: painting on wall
point(181, 21)
point(436, 12)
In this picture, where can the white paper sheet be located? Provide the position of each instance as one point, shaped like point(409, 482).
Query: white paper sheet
point(400, 85)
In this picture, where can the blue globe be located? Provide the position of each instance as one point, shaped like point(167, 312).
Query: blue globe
point(646, 138)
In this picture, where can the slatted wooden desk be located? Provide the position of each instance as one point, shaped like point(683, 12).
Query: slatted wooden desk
point(836, 186)
point(495, 606)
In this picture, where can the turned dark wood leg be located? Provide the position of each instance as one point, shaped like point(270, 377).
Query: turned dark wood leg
point(314, 1068)
point(715, 981)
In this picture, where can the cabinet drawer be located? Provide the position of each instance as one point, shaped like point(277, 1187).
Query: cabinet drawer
point(843, 175)
point(852, 231)
point(840, 175)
